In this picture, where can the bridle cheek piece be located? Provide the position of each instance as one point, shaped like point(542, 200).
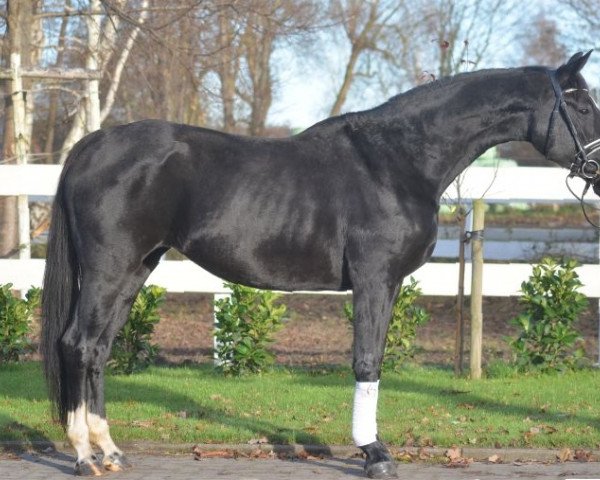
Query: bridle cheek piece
point(582, 166)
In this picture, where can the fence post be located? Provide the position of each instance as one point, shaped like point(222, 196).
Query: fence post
point(476, 287)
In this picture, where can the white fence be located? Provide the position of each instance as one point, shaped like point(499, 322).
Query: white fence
point(511, 184)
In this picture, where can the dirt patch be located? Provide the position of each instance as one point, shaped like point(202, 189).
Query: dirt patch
point(317, 333)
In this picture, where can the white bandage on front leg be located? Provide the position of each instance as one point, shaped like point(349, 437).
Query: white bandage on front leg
point(364, 414)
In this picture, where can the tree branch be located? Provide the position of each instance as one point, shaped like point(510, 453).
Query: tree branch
point(118, 71)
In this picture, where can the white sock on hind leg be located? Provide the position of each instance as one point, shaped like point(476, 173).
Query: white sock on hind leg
point(364, 414)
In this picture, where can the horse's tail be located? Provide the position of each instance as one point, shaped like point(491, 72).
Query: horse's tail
point(60, 291)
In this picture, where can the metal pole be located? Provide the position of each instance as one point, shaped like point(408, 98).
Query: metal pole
point(459, 340)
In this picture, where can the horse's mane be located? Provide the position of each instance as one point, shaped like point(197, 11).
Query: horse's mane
point(427, 89)
point(459, 79)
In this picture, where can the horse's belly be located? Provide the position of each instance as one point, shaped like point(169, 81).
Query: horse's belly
point(272, 263)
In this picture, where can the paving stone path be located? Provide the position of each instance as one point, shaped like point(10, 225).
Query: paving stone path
point(59, 466)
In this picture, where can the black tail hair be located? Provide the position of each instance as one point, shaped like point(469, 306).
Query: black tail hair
point(60, 291)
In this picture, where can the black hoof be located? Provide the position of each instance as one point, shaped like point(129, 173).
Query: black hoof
point(88, 468)
point(380, 463)
point(115, 462)
point(381, 470)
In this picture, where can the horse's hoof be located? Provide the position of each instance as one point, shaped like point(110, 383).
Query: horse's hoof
point(88, 468)
point(381, 470)
point(115, 462)
point(380, 463)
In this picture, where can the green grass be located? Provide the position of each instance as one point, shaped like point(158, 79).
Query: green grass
point(424, 406)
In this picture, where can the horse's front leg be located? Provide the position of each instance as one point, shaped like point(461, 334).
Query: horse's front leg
point(373, 305)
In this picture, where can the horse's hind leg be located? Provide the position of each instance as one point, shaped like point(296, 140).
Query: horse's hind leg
point(76, 352)
point(373, 303)
point(113, 457)
point(103, 305)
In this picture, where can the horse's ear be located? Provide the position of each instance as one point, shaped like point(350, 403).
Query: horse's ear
point(572, 67)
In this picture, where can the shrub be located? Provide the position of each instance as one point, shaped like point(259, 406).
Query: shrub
point(246, 321)
point(406, 317)
point(15, 319)
point(552, 304)
point(132, 349)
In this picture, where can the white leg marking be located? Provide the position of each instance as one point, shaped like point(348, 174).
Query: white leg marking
point(78, 433)
point(364, 415)
point(100, 435)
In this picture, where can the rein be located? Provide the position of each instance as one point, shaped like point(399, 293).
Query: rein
point(582, 166)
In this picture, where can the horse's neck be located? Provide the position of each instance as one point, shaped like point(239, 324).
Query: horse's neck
point(481, 115)
point(437, 132)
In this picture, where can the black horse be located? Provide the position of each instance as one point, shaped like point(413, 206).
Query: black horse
point(350, 203)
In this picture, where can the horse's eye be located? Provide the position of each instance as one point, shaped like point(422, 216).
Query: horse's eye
point(584, 111)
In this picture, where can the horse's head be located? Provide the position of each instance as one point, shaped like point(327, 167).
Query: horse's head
point(569, 122)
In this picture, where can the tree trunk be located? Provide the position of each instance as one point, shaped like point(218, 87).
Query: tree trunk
point(259, 39)
point(8, 205)
point(227, 71)
point(92, 101)
point(54, 95)
point(16, 41)
point(120, 65)
point(263, 89)
point(340, 98)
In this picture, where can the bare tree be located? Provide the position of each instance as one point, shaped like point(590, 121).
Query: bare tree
point(227, 65)
point(451, 37)
point(167, 70)
point(54, 94)
point(258, 44)
point(587, 11)
point(364, 25)
point(267, 22)
point(542, 44)
point(103, 33)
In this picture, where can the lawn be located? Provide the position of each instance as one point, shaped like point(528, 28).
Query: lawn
point(420, 406)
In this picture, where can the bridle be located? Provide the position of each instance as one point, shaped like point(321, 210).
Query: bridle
point(582, 166)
